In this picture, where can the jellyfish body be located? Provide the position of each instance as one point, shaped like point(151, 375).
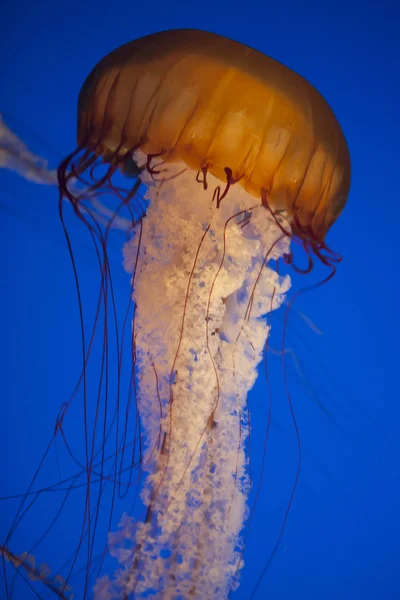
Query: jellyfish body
point(215, 104)
point(239, 156)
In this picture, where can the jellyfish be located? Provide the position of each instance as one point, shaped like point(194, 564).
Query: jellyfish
point(224, 161)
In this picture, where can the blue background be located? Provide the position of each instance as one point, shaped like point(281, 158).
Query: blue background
point(342, 535)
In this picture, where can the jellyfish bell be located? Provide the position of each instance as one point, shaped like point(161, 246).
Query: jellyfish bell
point(239, 156)
point(214, 104)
